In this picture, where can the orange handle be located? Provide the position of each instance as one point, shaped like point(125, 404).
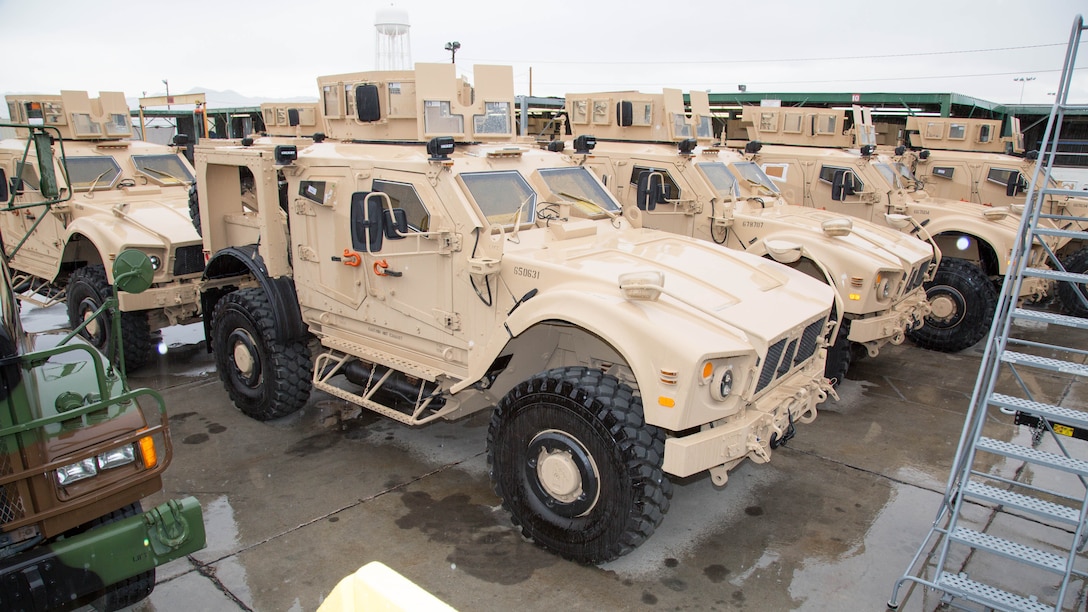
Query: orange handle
point(351, 258)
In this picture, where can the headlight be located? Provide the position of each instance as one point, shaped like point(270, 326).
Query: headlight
point(883, 286)
point(156, 263)
point(721, 384)
point(75, 472)
point(118, 456)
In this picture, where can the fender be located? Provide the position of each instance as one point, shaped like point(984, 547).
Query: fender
point(109, 234)
point(243, 260)
point(993, 239)
point(611, 317)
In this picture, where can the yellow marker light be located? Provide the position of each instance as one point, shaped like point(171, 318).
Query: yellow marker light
point(708, 369)
point(147, 451)
point(855, 296)
point(667, 402)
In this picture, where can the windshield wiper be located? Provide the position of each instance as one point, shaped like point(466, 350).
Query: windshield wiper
point(94, 183)
point(611, 214)
point(163, 173)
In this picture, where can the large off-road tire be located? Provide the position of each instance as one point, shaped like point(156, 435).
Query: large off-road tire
point(194, 209)
point(88, 289)
point(1067, 292)
point(963, 301)
point(576, 465)
point(265, 377)
point(132, 590)
point(839, 355)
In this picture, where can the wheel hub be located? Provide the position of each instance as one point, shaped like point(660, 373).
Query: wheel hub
point(562, 473)
point(92, 327)
point(947, 307)
point(244, 356)
point(942, 307)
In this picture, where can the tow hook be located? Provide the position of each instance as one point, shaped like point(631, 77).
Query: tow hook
point(787, 435)
point(170, 526)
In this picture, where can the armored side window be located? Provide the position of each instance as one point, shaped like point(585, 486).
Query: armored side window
point(703, 127)
point(777, 172)
point(934, 130)
point(403, 196)
point(118, 125)
point(890, 175)
point(166, 169)
point(957, 131)
point(84, 125)
point(330, 95)
point(768, 122)
point(827, 175)
point(438, 118)
point(312, 190)
point(680, 126)
point(579, 111)
point(1000, 176)
point(600, 112)
point(27, 177)
point(720, 177)
point(792, 123)
point(944, 172)
point(495, 120)
point(825, 124)
point(642, 113)
point(672, 190)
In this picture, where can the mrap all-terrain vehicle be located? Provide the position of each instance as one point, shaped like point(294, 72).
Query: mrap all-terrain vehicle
point(79, 449)
point(967, 159)
point(122, 194)
point(445, 269)
point(820, 160)
point(662, 166)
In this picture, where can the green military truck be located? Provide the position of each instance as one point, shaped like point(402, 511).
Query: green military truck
point(79, 449)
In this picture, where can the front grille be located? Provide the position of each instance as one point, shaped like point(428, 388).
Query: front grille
point(11, 503)
point(189, 260)
point(782, 357)
point(916, 277)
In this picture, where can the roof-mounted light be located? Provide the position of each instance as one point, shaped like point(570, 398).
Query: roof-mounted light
point(286, 154)
point(440, 147)
point(584, 144)
point(686, 146)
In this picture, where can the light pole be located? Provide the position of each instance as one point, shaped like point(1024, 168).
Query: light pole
point(167, 83)
point(452, 47)
point(1023, 83)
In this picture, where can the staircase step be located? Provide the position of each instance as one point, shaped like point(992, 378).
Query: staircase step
point(1050, 317)
point(1031, 455)
point(958, 585)
point(1026, 503)
point(1058, 275)
point(1062, 233)
point(1065, 416)
point(1009, 549)
point(1045, 363)
point(1058, 191)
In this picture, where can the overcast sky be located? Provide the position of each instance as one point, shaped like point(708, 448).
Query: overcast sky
point(277, 48)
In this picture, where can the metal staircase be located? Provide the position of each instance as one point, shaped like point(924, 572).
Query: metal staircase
point(1011, 525)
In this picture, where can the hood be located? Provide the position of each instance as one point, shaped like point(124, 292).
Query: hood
point(142, 216)
point(741, 292)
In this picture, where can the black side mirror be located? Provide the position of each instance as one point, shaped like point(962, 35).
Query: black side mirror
point(4, 193)
point(1015, 185)
point(366, 222)
point(366, 103)
point(624, 113)
point(395, 223)
point(651, 190)
point(842, 185)
point(292, 117)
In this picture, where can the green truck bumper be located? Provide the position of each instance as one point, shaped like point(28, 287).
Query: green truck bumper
point(46, 577)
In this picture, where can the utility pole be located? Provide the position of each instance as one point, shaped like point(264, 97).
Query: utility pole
point(452, 47)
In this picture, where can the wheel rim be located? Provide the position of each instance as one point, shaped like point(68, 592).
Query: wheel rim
point(562, 473)
point(244, 358)
point(948, 307)
point(95, 330)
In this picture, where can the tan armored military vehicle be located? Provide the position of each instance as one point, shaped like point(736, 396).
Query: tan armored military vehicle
point(120, 194)
point(444, 269)
point(811, 154)
point(965, 159)
point(660, 164)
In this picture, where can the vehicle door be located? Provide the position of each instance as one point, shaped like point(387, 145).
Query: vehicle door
point(658, 195)
point(40, 232)
point(839, 188)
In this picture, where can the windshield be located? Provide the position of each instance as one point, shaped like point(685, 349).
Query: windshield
point(720, 178)
point(890, 175)
point(99, 171)
point(501, 195)
point(166, 169)
point(905, 172)
point(578, 186)
point(750, 172)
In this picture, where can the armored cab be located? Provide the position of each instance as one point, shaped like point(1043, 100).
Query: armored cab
point(820, 160)
point(445, 269)
point(969, 159)
point(116, 194)
point(661, 163)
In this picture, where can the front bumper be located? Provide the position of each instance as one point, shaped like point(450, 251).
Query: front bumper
point(752, 432)
point(48, 577)
point(891, 325)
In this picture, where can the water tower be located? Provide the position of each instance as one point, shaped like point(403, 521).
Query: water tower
point(392, 44)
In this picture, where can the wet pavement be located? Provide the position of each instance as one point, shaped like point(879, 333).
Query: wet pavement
point(293, 505)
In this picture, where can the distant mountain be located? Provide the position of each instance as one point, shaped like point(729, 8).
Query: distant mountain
point(225, 99)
